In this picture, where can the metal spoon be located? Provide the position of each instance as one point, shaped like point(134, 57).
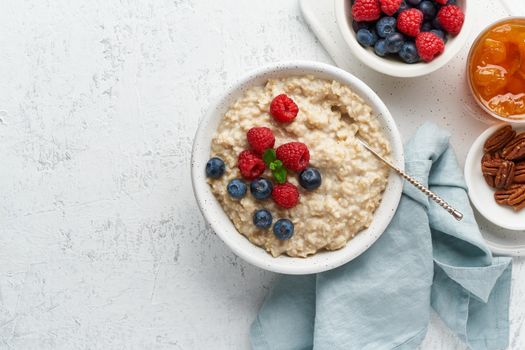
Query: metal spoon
point(440, 201)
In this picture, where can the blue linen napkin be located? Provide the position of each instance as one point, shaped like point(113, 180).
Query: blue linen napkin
point(382, 299)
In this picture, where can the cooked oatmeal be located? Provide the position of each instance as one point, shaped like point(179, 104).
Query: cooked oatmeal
point(330, 114)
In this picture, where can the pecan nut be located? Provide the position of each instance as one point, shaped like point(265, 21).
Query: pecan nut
point(499, 139)
point(517, 199)
point(502, 196)
point(505, 175)
point(515, 149)
point(519, 173)
point(489, 167)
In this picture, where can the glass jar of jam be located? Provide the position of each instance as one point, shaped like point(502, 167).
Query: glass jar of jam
point(496, 69)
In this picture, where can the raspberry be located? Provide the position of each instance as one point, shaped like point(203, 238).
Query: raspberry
point(294, 155)
point(260, 139)
point(390, 6)
point(429, 45)
point(366, 10)
point(409, 22)
point(250, 165)
point(283, 109)
point(285, 195)
point(451, 18)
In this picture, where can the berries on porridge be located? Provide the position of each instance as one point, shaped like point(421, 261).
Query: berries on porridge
point(261, 188)
point(285, 195)
point(294, 155)
point(308, 215)
point(283, 109)
point(260, 139)
point(250, 165)
point(310, 179)
point(236, 188)
point(283, 229)
point(215, 168)
point(262, 218)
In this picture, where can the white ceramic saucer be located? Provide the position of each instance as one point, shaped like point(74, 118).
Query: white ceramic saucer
point(504, 228)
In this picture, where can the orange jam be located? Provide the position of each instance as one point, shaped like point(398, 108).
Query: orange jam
point(497, 68)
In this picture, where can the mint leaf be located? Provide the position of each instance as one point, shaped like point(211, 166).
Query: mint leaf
point(276, 164)
point(279, 175)
point(269, 156)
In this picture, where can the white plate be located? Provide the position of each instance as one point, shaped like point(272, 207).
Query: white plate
point(219, 221)
point(482, 195)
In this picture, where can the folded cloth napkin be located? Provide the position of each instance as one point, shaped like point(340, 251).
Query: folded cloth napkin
point(382, 299)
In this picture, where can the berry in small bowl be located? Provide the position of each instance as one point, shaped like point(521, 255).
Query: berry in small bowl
point(404, 38)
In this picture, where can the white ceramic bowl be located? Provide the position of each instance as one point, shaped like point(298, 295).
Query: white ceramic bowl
point(395, 68)
point(481, 195)
point(219, 221)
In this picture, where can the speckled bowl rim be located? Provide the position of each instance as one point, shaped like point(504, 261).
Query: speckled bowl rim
point(219, 221)
point(397, 68)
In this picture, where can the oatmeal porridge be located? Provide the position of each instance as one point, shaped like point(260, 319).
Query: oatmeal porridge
point(330, 115)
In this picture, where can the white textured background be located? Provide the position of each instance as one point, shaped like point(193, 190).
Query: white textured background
point(101, 243)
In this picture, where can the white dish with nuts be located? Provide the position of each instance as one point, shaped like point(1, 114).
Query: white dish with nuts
point(496, 174)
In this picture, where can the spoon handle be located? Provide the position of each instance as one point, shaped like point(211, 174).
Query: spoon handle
point(440, 201)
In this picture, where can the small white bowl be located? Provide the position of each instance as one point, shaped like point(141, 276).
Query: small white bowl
point(219, 221)
point(393, 67)
point(482, 195)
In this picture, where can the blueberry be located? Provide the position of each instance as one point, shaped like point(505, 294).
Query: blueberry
point(215, 168)
point(310, 178)
point(408, 52)
point(380, 47)
point(236, 188)
point(360, 25)
point(426, 27)
point(452, 2)
point(394, 42)
point(386, 26)
point(413, 2)
point(428, 8)
point(366, 37)
point(436, 24)
point(283, 229)
point(402, 7)
point(262, 218)
point(261, 188)
point(440, 33)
